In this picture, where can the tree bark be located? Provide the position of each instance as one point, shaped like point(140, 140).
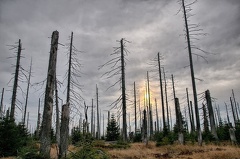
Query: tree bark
point(1, 105)
point(211, 114)
point(161, 89)
point(38, 120)
point(135, 107)
point(124, 113)
point(45, 138)
point(15, 84)
point(98, 119)
point(64, 131)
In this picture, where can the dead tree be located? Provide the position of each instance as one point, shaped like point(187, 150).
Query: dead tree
point(228, 121)
point(57, 113)
point(205, 119)
point(157, 115)
point(235, 106)
point(28, 84)
point(15, 84)
point(211, 114)
point(98, 118)
point(144, 127)
point(190, 113)
point(190, 29)
point(161, 89)
point(135, 106)
point(149, 107)
point(92, 127)
point(64, 131)
point(38, 120)
point(1, 105)
point(45, 138)
point(166, 98)
point(233, 112)
point(117, 65)
point(179, 122)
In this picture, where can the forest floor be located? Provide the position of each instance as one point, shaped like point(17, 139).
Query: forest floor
point(141, 151)
point(188, 151)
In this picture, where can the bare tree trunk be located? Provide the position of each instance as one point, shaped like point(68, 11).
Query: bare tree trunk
point(235, 105)
point(123, 94)
point(145, 138)
point(211, 114)
point(27, 121)
point(64, 131)
point(15, 85)
point(157, 115)
point(57, 114)
point(98, 119)
point(135, 107)
point(38, 120)
point(92, 120)
point(150, 108)
point(205, 119)
point(179, 122)
point(28, 84)
point(161, 88)
point(227, 115)
point(234, 116)
point(166, 97)
point(193, 77)
point(1, 105)
point(45, 138)
point(189, 112)
point(193, 121)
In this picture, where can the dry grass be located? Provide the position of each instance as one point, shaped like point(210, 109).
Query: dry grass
point(140, 151)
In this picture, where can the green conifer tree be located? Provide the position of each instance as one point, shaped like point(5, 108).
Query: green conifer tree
point(112, 130)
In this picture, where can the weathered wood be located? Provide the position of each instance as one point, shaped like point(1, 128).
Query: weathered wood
point(15, 84)
point(123, 93)
point(57, 113)
point(161, 89)
point(179, 122)
point(190, 113)
point(135, 106)
point(45, 138)
point(157, 115)
point(166, 99)
point(98, 119)
point(1, 105)
point(38, 120)
point(149, 107)
point(211, 114)
point(64, 131)
point(233, 112)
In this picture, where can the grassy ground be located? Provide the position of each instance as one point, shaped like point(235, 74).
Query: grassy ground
point(140, 151)
point(189, 151)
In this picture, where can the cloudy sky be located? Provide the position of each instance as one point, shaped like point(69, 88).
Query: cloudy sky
point(151, 26)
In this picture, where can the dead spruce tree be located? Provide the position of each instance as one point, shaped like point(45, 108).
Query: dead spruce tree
point(117, 65)
point(192, 31)
point(1, 105)
point(73, 96)
point(28, 85)
point(16, 78)
point(149, 108)
point(45, 138)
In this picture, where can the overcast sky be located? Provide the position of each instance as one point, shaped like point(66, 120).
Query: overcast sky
point(151, 26)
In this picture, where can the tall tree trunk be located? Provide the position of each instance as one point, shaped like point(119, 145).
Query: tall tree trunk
point(1, 105)
point(98, 119)
point(189, 112)
point(150, 108)
point(161, 88)
point(64, 131)
point(227, 115)
point(145, 138)
point(166, 97)
point(92, 120)
point(123, 93)
point(193, 121)
point(57, 113)
point(179, 122)
point(192, 76)
point(15, 84)
point(135, 107)
point(157, 115)
point(28, 84)
point(38, 120)
point(211, 115)
point(235, 105)
point(205, 119)
point(234, 115)
point(45, 138)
